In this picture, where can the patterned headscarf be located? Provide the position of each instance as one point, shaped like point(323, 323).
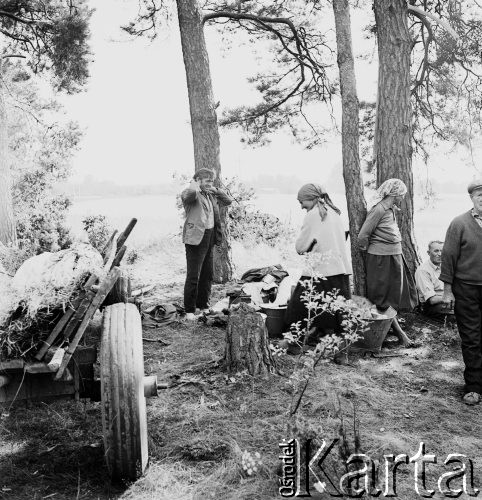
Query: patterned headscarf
point(317, 192)
point(391, 187)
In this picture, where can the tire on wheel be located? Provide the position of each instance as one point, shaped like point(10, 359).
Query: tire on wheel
point(124, 418)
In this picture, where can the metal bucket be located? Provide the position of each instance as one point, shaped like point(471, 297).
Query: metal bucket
point(275, 320)
point(375, 333)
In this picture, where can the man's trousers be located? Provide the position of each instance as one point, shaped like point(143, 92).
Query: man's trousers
point(199, 276)
point(468, 313)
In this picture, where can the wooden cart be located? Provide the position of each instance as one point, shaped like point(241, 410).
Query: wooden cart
point(63, 369)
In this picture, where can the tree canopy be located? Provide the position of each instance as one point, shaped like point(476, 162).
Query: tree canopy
point(52, 35)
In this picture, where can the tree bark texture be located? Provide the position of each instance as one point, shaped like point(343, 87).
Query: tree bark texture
point(202, 108)
point(393, 129)
point(247, 343)
point(8, 233)
point(355, 198)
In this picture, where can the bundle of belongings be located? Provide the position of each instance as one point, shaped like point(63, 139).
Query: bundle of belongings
point(37, 295)
point(269, 286)
point(161, 315)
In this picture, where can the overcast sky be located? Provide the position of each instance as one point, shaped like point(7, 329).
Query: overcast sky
point(136, 118)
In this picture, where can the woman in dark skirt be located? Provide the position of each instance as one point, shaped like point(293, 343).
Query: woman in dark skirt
point(322, 233)
point(389, 282)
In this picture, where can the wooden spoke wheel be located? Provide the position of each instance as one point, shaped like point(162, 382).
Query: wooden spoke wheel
point(124, 419)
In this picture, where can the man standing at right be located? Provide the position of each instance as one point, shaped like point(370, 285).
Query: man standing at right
point(461, 273)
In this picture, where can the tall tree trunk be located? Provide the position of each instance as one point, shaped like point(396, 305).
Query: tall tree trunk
point(204, 122)
point(350, 139)
point(8, 234)
point(393, 129)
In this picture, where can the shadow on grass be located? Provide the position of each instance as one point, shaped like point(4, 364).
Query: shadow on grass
point(53, 451)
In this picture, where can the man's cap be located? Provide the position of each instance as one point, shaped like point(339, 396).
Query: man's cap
point(203, 173)
point(474, 184)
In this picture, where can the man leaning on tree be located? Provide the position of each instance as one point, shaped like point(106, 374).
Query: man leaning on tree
point(462, 276)
point(202, 230)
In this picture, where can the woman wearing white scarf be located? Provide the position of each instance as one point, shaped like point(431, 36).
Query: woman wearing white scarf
point(389, 282)
point(322, 233)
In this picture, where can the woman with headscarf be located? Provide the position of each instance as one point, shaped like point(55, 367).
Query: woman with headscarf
point(389, 282)
point(322, 233)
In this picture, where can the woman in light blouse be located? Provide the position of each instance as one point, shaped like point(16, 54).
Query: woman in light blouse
point(389, 282)
point(322, 233)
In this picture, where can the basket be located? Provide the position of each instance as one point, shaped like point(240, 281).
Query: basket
point(375, 333)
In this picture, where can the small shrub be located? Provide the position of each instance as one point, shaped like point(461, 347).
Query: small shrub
point(98, 230)
point(132, 256)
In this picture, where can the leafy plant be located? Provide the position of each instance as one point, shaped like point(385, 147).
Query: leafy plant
point(98, 230)
point(40, 153)
point(318, 303)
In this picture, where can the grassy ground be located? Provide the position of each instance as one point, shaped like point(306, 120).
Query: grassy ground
point(199, 428)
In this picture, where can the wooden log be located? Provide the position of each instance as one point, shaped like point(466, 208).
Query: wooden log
point(105, 288)
point(247, 343)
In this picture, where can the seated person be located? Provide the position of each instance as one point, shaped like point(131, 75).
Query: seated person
point(430, 288)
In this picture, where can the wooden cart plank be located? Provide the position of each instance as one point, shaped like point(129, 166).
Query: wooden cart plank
point(108, 245)
point(125, 234)
point(78, 315)
point(14, 364)
point(47, 344)
point(104, 289)
point(67, 322)
point(119, 256)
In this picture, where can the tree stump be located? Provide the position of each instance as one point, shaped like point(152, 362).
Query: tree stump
point(247, 343)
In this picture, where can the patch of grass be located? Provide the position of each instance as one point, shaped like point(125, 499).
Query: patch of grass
point(53, 450)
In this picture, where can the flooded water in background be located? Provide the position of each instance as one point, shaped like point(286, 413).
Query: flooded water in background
point(158, 216)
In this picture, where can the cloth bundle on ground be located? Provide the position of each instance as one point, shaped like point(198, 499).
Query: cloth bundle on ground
point(257, 274)
point(161, 314)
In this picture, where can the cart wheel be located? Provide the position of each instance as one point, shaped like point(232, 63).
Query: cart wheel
point(124, 419)
point(121, 291)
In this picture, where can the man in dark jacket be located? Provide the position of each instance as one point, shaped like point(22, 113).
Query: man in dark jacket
point(202, 230)
point(461, 273)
